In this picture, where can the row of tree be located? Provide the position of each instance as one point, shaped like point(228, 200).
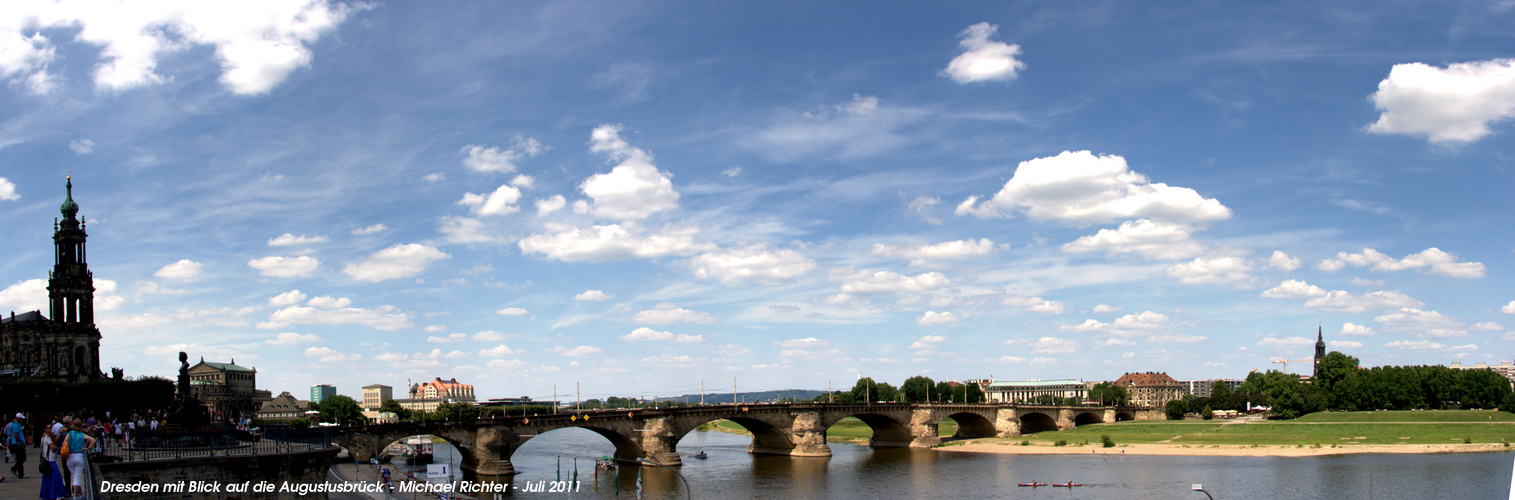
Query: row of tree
point(917, 389)
point(1340, 384)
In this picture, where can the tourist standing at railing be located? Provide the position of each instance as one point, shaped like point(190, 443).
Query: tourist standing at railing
point(15, 440)
point(52, 480)
point(77, 440)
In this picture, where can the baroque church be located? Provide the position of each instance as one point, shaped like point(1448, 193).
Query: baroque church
point(67, 346)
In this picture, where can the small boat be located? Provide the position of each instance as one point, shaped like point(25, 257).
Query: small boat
point(701, 455)
point(1069, 484)
point(604, 463)
point(1033, 484)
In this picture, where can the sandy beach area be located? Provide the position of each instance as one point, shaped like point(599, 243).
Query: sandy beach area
point(1012, 448)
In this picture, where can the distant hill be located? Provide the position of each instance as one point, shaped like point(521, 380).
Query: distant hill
point(748, 397)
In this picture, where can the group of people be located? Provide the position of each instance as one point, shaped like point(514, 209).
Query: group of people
point(64, 435)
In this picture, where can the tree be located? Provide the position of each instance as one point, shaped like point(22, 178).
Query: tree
point(1331, 369)
point(918, 389)
point(1207, 413)
point(393, 406)
point(456, 411)
point(341, 410)
point(299, 422)
point(866, 390)
point(1175, 409)
point(1110, 394)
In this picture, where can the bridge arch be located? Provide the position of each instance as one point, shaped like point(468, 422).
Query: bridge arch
point(888, 431)
point(767, 438)
point(972, 425)
point(1088, 417)
point(1034, 422)
point(1125, 415)
point(625, 447)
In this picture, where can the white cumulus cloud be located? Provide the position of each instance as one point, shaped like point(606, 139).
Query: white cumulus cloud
point(1283, 261)
point(1359, 330)
point(398, 261)
point(492, 159)
point(611, 243)
point(864, 281)
point(1430, 261)
point(183, 270)
point(921, 255)
point(670, 313)
point(754, 264)
point(591, 296)
point(258, 44)
point(500, 202)
point(931, 318)
point(286, 267)
point(1079, 188)
point(1037, 305)
point(8, 190)
point(1143, 237)
point(983, 59)
point(1293, 289)
point(632, 190)
point(1451, 105)
point(1345, 302)
point(290, 239)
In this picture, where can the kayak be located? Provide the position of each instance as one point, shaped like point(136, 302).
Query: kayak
point(1033, 484)
point(1068, 485)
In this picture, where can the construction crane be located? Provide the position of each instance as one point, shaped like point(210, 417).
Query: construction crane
point(1287, 361)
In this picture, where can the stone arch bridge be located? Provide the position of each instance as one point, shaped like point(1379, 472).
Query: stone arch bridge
point(777, 429)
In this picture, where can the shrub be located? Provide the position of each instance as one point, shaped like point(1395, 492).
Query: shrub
point(1467, 440)
point(1105, 438)
point(1026, 443)
point(1061, 442)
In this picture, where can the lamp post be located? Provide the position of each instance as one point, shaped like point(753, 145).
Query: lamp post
point(687, 493)
point(1201, 488)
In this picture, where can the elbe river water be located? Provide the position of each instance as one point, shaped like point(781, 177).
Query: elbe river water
point(857, 472)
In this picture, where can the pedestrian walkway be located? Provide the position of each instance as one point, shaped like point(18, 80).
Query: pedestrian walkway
point(28, 487)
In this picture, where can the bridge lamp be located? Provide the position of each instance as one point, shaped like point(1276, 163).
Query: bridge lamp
point(1201, 488)
point(687, 493)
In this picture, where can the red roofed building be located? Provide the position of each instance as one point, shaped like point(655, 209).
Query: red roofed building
point(1151, 389)
point(428, 395)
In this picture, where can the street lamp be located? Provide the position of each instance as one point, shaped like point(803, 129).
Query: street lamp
point(687, 493)
point(1201, 488)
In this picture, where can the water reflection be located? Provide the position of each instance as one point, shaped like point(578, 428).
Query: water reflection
point(859, 472)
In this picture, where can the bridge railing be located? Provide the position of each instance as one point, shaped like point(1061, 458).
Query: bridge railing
point(171, 445)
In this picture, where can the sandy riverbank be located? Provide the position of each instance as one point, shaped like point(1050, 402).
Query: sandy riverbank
point(1011, 448)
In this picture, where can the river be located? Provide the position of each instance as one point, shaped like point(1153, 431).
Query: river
point(857, 472)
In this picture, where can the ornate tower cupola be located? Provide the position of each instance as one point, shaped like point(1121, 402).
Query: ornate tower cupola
point(71, 294)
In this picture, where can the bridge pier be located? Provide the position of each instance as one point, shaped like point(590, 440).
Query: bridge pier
point(1006, 423)
point(924, 429)
point(808, 435)
point(1065, 420)
point(659, 444)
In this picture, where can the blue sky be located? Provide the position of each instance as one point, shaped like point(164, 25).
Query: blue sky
point(637, 196)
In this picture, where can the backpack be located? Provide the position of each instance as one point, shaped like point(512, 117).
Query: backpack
point(68, 447)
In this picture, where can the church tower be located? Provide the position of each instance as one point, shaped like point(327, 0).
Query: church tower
point(1320, 351)
point(73, 354)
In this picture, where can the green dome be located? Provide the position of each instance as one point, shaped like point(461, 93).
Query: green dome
point(69, 207)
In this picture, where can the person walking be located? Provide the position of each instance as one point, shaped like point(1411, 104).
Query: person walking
point(15, 440)
point(77, 441)
point(52, 480)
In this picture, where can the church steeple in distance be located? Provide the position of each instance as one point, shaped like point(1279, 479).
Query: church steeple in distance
point(1320, 349)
